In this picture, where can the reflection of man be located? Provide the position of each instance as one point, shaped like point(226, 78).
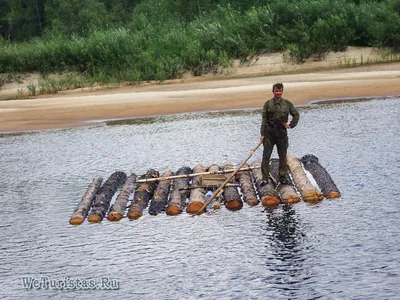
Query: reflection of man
point(274, 131)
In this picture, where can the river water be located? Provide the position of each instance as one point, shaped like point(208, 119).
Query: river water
point(346, 248)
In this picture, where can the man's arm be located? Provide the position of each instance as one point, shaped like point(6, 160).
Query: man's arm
point(263, 120)
point(295, 115)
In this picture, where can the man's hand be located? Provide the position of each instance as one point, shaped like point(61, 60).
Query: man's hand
point(262, 138)
point(286, 125)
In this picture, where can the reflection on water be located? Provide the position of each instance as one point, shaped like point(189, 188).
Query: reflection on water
point(337, 249)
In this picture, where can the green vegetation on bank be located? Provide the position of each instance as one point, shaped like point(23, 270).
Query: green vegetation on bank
point(117, 41)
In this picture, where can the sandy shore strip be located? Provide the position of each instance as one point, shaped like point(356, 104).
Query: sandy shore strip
point(74, 109)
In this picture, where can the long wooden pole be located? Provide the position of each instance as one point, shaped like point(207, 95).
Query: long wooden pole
point(216, 193)
point(196, 174)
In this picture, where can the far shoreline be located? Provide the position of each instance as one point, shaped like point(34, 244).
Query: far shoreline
point(91, 108)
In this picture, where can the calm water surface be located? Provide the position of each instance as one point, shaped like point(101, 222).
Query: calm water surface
point(345, 248)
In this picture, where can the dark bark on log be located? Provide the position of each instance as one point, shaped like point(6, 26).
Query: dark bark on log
point(103, 198)
point(307, 191)
point(81, 211)
point(286, 191)
point(143, 193)
point(232, 199)
point(117, 210)
point(160, 197)
point(321, 176)
point(216, 203)
point(197, 196)
point(268, 194)
point(179, 192)
point(245, 180)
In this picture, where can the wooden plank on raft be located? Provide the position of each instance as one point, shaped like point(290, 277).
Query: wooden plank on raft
point(143, 193)
point(321, 176)
point(268, 194)
point(245, 180)
point(307, 191)
point(216, 203)
point(232, 199)
point(287, 192)
point(103, 198)
point(117, 210)
point(160, 197)
point(81, 211)
point(179, 192)
point(198, 195)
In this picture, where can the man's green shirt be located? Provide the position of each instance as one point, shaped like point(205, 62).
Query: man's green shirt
point(278, 112)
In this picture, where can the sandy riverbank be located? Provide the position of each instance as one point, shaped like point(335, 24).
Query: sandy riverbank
point(246, 87)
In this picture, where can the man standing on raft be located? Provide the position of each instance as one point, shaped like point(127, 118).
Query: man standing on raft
point(274, 127)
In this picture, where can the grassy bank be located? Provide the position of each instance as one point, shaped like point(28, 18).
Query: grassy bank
point(157, 45)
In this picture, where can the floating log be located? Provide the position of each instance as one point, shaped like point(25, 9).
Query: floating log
point(144, 192)
point(286, 191)
point(160, 197)
point(232, 198)
point(81, 211)
point(268, 194)
point(307, 191)
point(117, 210)
point(216, 203)
point(197, 196)
point(103, 198)
point(179, 192)
point(321, 176)
point(246, 185)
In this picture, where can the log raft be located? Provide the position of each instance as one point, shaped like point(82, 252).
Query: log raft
point(104, 195)
point(186, 184)
point(143, 193)
point(180, 192)
point(268, 194)
point(321, 176)
point(117, 210)
point(307, 191)
point(287, 192)
point(81, 211)
point(160, 197)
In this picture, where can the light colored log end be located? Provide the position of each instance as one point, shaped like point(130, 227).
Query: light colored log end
point(95, 219)
point(234, 205)
point(291, 200)
point(332, 195)
point(135, 214)
point(270, 201)
point(194, 207)
point(114, 216)
point(173, 210)
point(313, 197)
point(76, 221)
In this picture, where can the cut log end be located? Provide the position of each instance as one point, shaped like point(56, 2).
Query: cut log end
point(135, 214)
point(252, 203)
point(332, 195)
point(95, 219)
point(216, 206)
point(270, 201)
point(313, 198)
point(154, 213)
point(114, 216)
point(291, 200)
point(194, 207)
point(76, 221)
point(234, 205)
point(173, 210)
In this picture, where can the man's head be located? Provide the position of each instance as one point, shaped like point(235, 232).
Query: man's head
point(277, 90)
